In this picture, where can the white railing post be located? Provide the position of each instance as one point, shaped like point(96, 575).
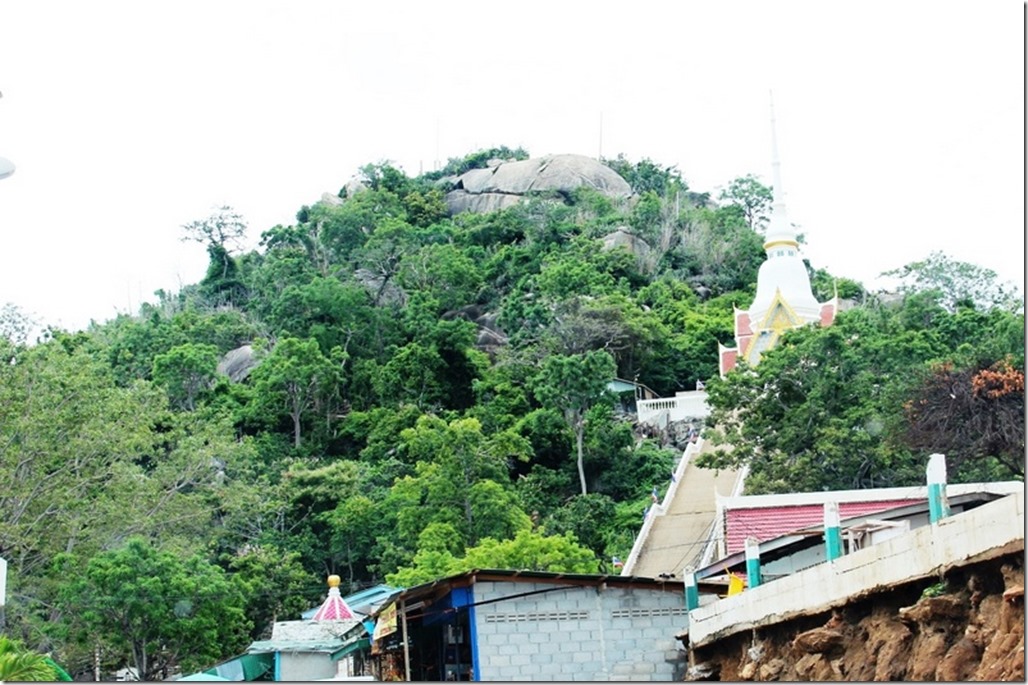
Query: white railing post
point(938, 508)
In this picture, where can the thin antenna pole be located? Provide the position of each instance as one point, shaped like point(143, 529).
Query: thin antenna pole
point(600, 152)
point(436, 165)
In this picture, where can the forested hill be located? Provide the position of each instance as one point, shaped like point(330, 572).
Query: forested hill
point(422, 393)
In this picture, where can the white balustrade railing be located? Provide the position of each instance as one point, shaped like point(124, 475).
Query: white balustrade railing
point(690, 404)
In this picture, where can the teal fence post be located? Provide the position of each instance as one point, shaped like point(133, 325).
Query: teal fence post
point(833, 534)
point(692, 593)
point(752, 562)
point(938, 508)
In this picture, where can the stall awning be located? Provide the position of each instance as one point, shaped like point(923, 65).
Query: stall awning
point(346, 650)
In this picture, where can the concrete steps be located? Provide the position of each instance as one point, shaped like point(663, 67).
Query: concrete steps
point(678, 537)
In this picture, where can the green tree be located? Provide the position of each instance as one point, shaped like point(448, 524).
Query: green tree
point(18, 664)
point(957, 282)
point(296, 379)
point(647, 176)
point(384, 176)
point(572, 384)
point(412, 375)
point(532, 551)
point(812, 415)
point(447, 272)
point(752, 197)
point(334, 313)
point(425, 208)
point(185, 371)
point(587, 517)
point(479, 159)
point(15, 324)
point(224, 227)
point(344, 230)
point(527, 551)
point(312, 490)
point(221, 231)
point(717, 252)
point(354, 524)
point(613, 323)
point(460, 479)
point(160, 609)
point(274, 586)
point(71, 439)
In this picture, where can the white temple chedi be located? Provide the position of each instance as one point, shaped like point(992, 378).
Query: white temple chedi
point(784, 298)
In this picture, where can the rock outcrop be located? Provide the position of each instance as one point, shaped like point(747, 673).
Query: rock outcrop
point(238, 363)
point(508, 183)
point(623, 237)
point(490, 338)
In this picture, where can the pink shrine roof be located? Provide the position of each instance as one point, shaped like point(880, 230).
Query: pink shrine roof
point(334, 607)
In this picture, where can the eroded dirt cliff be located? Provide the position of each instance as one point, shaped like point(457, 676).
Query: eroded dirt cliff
point(969, 626)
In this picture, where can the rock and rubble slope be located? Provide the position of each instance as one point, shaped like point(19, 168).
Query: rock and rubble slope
point(968, 627)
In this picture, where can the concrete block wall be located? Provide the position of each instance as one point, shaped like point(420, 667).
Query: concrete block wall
point(306, 666)
point(578, 633)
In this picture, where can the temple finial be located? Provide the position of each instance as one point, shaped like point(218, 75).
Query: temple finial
point(779, 230)
point(778, 190)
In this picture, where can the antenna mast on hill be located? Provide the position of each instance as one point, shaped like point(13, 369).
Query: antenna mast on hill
point(599, 154)
point(436, 164)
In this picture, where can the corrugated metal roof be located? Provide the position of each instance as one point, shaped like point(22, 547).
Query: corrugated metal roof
point(443, 585)
point(767, 523)
point(327, 645)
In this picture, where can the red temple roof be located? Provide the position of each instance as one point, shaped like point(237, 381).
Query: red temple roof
point(768, 523)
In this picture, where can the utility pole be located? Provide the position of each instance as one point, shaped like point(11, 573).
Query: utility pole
point(3, 594)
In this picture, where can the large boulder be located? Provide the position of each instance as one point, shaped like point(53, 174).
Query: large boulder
point(507, 183)
point(331, 200)
point(622, 237)
point(238, 363)
point(490, 337)
point(381, 290)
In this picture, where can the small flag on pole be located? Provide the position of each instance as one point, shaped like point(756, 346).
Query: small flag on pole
point(735, 584)
point(617, 563)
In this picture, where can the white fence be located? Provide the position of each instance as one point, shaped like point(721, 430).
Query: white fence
point(685, 405)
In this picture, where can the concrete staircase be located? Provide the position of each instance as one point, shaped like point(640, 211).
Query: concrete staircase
point(677, 531)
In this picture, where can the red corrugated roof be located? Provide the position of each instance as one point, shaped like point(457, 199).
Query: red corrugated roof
point(768, 523)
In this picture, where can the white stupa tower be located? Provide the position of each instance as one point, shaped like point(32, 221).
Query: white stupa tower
point(784, 298)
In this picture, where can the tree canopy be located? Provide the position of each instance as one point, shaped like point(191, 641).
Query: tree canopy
point(389, 393)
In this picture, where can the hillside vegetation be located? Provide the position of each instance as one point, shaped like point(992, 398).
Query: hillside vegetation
point(425, 393)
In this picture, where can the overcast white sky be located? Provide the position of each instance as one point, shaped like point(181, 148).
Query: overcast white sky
point(901, 124)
